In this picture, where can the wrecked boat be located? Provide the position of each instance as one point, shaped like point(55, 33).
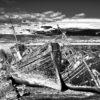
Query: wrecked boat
point(82, 66)
point(38, 65)
point(54, 66)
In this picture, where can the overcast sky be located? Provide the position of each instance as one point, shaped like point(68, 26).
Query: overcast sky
point(69, 7)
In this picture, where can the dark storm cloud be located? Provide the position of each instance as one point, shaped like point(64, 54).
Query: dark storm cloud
point(8, 1)
point(2, 10)
point(68, 7)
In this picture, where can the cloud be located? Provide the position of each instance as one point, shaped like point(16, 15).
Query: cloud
point(9, 1)
point(49, 16)
point(2, 10)
point(80, 15)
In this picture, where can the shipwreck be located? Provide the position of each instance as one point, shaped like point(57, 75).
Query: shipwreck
point(62, 64)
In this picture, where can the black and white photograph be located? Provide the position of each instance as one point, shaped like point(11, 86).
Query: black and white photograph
point(49, 49)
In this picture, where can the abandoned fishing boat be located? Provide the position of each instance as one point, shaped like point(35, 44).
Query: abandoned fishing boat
point(38, 65)
point(54, 66)
point(81, 67)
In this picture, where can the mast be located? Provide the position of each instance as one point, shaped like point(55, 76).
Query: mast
point(63, 34)
point(13, 31)
point(64, 37)
point(17, 51)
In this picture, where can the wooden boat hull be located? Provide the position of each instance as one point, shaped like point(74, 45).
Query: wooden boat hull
point(82, 65)
point(39, 66)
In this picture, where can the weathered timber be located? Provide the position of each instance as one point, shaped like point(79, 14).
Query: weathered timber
point(81, 65)
point(39, 65)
